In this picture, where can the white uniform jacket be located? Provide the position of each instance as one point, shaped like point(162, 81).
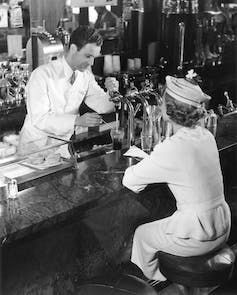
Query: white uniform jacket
point(189, 163)
point(53, 103)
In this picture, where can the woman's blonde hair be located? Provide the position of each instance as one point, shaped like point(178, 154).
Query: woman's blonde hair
point(182, 113)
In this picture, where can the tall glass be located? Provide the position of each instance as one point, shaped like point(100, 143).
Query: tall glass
point(146, 142)
point(117, 136)
point(146, 135)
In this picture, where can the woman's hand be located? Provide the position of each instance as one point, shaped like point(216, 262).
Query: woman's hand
point(88, 120)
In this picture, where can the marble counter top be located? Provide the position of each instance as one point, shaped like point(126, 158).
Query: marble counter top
point(56, 197)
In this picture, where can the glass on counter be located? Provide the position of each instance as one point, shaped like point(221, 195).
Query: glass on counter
point(117, 136)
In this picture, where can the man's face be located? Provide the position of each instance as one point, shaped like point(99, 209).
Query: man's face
point(84, 58)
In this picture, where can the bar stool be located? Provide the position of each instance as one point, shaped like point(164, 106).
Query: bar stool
point(198, 274)
point(123, 284)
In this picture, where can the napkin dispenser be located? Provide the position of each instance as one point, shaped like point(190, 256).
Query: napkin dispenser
point(41, 48)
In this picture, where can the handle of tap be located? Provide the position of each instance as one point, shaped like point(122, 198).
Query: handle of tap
point(229, 103)
point(226, 94)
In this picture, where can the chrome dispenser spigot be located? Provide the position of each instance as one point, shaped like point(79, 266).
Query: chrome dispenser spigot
point(117, 99)
point(229, 103)
point(131, 115)
point(229, 109)
point(148, 91)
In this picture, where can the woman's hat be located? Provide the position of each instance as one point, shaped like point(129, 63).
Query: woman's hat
point(185, 90)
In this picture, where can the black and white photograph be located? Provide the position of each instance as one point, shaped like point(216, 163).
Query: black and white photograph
point(118, 147)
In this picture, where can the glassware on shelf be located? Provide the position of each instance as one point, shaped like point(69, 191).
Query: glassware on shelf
point(14, 77)
point(180, 7)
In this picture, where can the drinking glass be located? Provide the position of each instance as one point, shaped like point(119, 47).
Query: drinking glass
point(146, 142)
point(117, 136)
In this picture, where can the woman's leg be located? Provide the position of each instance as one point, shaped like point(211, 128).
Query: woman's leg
point(148, 239)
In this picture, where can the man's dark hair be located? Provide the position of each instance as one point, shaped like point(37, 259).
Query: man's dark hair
point(84, 35)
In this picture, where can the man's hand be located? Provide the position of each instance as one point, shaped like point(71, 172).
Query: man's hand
point(88, 120)
point(111, 84)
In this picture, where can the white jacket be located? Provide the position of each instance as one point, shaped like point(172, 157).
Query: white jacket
point(53, 103)
point(189, 163)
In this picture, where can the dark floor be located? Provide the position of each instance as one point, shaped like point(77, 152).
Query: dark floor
point(59, 259)
point(70, 252)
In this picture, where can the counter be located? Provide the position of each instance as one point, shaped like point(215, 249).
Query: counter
point(56, 197)
point(103, 211)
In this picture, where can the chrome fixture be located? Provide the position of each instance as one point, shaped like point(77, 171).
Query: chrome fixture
point(229, 109)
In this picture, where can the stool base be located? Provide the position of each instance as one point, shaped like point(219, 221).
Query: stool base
point(184, 290)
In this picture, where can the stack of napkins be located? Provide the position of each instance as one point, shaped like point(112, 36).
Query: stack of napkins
point(135, 152)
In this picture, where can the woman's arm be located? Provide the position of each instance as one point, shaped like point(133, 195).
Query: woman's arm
point(161, 166)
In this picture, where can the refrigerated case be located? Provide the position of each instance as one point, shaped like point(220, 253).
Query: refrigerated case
point(38, 161)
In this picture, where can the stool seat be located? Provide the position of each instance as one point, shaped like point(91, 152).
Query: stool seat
point(122, 284)
point(198, 271)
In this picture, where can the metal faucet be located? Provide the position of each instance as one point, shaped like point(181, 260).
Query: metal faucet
point(131, 116)
point(135, 95)
point(228, 109)
point(148, 91)
point(117, 99)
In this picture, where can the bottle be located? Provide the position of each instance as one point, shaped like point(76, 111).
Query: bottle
point(15, 12)
point(12, 189)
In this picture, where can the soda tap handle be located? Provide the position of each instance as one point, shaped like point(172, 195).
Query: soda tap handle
point(226, 95)
point(229, 103)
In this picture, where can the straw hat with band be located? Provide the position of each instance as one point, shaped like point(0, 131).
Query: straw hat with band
point(185, 91)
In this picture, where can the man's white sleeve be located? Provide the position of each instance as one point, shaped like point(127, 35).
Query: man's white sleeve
point(96, 98)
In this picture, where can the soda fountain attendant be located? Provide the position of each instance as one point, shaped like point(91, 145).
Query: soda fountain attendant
point(188, 162)
point(56, 90)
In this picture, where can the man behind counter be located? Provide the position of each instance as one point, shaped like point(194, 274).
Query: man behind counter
point(56, 90)
point(106, 19)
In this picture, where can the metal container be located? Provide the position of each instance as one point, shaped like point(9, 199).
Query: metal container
point(41, 48)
